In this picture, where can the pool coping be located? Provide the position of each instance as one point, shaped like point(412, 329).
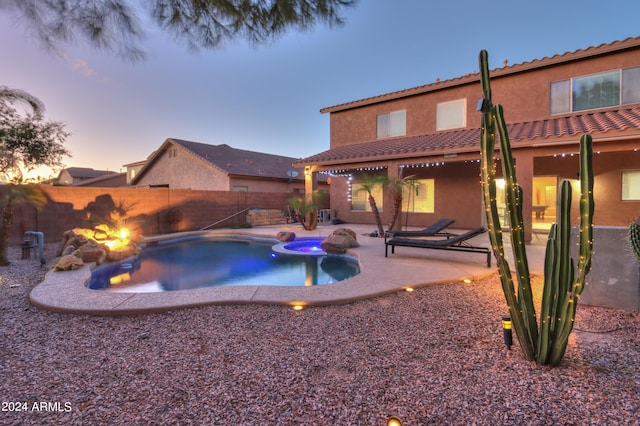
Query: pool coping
point(67, 292)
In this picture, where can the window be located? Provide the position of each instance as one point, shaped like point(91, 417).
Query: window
point(631, 86)
point(418, 197)
point(561, 97)
point(451, 115)
point(360, 198)
point(392, 124)
point(631, 185)
point(243, 188)
point(611, 88)
point(596, 91)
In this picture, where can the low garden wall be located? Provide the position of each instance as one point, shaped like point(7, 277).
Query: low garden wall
point(614, 280)
point(148, 211)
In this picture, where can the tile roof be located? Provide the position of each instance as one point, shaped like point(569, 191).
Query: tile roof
point(469, 139)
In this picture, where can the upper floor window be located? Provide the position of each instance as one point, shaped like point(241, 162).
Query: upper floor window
point(605, 89)
point(392, 124)
point(451, 115)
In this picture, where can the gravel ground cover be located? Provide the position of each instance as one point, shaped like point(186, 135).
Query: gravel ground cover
point(433, 356)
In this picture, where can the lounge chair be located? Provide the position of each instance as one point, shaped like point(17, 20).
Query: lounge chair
point(430, 231)
point(456, 243)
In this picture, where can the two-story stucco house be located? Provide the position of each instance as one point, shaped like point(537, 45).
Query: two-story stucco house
point(432, 133)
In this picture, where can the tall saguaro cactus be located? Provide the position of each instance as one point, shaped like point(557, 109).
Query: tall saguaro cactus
point(562, 285)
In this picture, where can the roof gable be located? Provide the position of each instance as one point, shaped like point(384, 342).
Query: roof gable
point(231, 161)
point(241, 162)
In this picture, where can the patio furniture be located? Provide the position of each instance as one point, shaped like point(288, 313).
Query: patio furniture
point(539, 211)
point(455, 243)
point(434, 229)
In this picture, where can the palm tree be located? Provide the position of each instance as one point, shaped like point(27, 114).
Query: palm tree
point(397, 186)
point(368, 184)
point(307, 208)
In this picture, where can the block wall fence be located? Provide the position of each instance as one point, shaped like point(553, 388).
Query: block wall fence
point(149, 211)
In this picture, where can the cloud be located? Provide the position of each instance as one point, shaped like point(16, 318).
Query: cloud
point(81, 66)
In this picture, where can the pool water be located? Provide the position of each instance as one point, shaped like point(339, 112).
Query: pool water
point(198, 262)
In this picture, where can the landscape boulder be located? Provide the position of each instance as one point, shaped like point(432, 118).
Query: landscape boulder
point(91, 251)
point(68, 263)
point(339, 241)
point(286, 236)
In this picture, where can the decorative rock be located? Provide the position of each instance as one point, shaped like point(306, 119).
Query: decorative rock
point(121, 254)
point(68, 250)
point(68, 263)
point(286, 236)
point(90, 252)
point(339, 243)
point(342, 231)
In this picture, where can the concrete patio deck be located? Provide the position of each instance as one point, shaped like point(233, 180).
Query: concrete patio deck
point(408, 267)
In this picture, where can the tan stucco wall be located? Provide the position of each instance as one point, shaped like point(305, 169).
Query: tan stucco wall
point(184, 171)
point(525, 97)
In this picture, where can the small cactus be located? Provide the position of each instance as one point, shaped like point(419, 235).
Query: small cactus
point(634, 236)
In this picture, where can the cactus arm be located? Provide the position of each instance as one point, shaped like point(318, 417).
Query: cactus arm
point(563, 257)
point(514, 197)
point(549, 295)
point(587, 207)
point(487, 144)
point(569, 305)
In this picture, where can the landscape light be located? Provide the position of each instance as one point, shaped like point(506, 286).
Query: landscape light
point(506, 331)
point(394, 421)
point(298, 305)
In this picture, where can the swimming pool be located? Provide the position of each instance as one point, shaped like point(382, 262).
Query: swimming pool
point(210, 261)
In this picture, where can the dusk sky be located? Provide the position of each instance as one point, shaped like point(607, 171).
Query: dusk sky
point(268, 98)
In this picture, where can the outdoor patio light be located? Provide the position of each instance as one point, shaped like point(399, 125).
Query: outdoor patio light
point(408, 289)
point(506, 331)
point(394, 421)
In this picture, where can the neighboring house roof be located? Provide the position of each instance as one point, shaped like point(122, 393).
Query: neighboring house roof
point(111, 180)
point(82, 173)
point(232, 161)
point(603, 49)
point(135, 163)
point(469, 139)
